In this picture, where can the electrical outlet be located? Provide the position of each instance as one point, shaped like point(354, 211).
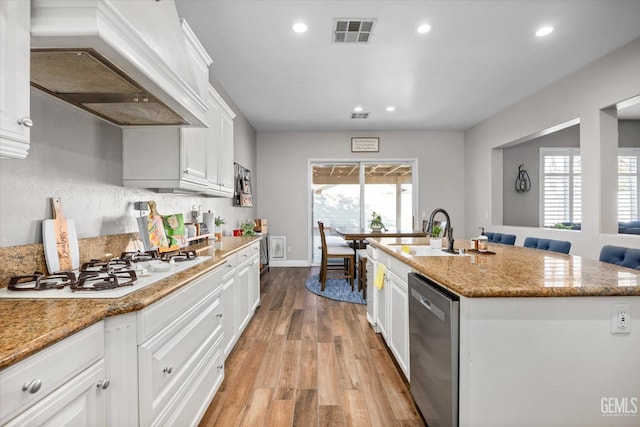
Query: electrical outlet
point(288, 249)
point(621, 318)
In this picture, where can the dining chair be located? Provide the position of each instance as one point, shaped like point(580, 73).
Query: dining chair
point(505, 239)
point(362, 272)
point(345, 253)
point(619, 255)
point(561, 246)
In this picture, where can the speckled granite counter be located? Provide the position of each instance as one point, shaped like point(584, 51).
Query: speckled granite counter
point(29, 325)
point(515, 271)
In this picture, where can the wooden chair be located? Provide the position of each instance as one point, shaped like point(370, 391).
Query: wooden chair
point(345, 253)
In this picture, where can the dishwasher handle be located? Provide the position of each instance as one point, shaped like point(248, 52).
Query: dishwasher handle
point(428, 305)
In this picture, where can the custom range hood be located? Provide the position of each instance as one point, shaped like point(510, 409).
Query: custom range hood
point(124, 61)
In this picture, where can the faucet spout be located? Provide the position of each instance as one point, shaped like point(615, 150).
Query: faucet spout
point(448, 228)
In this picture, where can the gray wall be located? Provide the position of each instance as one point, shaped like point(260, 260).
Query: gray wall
point(583, 94)
point(284, 179)
point(78, 157)
point(629, 133)
point(523, 209)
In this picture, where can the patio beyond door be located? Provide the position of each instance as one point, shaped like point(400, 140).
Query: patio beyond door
point(345, 194)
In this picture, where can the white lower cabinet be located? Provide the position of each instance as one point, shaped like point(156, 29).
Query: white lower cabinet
point(392, 309)
point(248, 272)
point(398, 336)
point(173, 360)
point(62, 385)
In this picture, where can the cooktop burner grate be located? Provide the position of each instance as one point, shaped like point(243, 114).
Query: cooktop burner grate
point(41, 282)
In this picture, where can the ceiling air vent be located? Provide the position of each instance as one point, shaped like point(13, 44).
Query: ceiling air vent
point(359, 115)
point(352, 30)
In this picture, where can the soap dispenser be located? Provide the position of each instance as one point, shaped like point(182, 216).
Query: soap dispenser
point(483, 241)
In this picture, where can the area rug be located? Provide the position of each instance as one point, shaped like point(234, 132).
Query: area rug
point(336, 289)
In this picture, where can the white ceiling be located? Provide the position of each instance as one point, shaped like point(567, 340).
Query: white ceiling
point(479, 58)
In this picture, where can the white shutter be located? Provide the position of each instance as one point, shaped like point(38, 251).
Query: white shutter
point(561, 186)
point(628, 185)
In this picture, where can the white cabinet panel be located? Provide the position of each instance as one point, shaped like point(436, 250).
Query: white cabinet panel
point(220, 146)
point(14, 78)
point(398, 335)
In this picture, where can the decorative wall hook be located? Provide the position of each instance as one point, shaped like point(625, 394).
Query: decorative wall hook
point(523, 182)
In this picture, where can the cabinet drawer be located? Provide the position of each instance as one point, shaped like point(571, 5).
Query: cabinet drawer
point(248, 252)
point(156, 316)
point(400, 269)
point(52, 367)
point(230, 267)
point(167, 360)
point(199, 390)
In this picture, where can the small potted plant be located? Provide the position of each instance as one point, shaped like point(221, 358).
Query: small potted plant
point(376, 222)
point(217, 230)
point(248, 228)
point(435, 240)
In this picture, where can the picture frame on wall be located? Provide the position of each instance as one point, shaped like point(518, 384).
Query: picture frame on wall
point(365, 145)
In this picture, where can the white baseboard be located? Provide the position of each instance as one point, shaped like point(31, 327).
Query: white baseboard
point(289, 263)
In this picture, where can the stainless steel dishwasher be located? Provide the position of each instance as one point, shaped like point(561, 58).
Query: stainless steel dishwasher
point(434, 314)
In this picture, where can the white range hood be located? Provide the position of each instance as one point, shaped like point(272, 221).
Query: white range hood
point(125, 61)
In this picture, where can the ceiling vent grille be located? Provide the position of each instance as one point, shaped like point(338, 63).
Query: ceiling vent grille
point(359, 115)
point(352, 30)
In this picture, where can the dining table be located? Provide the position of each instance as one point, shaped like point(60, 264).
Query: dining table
point(359, 235)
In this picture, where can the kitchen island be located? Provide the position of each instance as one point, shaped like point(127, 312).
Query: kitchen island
point(535, 340)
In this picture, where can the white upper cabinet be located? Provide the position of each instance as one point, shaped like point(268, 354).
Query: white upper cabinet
point(14, 79)
point(219, 146)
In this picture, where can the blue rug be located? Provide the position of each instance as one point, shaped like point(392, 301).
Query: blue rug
point(336, 289)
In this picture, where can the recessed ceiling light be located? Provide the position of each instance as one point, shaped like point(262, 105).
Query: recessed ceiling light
point(357, 109)
point(300, 27)
point(391, 108)
point(424, 28)
point(544, 31)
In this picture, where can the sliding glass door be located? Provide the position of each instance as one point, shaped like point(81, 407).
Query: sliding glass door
point(346, 194)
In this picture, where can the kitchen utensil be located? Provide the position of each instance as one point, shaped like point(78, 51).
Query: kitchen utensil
point(60, 240)
point(143, 226)
point(155, 227)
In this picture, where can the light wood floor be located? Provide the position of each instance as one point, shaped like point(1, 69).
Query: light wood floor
point(305, 360)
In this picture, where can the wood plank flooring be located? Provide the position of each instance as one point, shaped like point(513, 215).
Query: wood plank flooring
point(305, 360)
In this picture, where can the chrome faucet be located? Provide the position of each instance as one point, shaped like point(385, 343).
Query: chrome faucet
point(448, 229)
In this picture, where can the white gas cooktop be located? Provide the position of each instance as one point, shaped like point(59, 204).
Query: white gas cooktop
point(148, 272)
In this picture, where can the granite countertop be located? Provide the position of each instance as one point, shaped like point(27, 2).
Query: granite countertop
point(516, 271)
point(29, 325)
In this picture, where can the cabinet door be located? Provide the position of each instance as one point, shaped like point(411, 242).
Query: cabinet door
point(243, 308)
point(214, 142)
point(193, 147)
point(383, 310)
point(15, 19)
point(398, 328)
point(225, 163)
point(79, 402)
point(254, 284)
point(228, 304)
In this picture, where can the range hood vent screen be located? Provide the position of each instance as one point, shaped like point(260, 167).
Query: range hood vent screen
point(352, 30)
point(87, 80)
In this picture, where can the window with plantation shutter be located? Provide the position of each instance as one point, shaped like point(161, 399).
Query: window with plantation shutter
point(628, 184)
point(561, 186)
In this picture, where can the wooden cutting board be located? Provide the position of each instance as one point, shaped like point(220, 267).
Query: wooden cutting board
point(60, 240)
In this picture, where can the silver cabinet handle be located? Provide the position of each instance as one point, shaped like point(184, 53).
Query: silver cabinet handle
point(220, 367)
point(32, 386)
point(229, 266)
point(168, 369)
point(246, 255)
point(26, 122)
point(103, 384)
point(219, 315)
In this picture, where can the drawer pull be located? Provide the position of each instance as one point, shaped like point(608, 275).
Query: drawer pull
point(168, 369)
point(246, 255)
point(220, 367)
point(229, 266)
point(103, 384)
point(219, 315)
point(32, 386)
point(26, 122)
